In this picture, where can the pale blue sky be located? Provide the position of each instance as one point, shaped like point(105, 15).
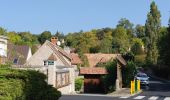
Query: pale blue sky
point(66, 16)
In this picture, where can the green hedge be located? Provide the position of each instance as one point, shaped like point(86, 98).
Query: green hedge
point(78, 84)
point(25, 85)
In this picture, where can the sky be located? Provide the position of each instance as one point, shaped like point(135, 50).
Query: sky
point(68, 16)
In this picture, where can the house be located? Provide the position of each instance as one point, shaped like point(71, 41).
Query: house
point(57, 65)
point(92, 73)
point(18, 54)
point(13, 54)
point(76, 62)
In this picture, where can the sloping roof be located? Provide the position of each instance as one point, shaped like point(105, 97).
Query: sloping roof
point(121, 60)
point(19, 52)
point(96, 70)
point(96, 58)
point(75, 59)
point(59, 52)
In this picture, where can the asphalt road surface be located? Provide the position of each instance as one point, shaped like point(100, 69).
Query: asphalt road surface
point(157, 90)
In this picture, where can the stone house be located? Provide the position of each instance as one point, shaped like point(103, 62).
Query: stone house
point(56, 64)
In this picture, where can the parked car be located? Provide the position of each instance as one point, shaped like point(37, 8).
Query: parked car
point(144, 79)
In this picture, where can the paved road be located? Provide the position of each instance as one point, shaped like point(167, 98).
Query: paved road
point(157, 90)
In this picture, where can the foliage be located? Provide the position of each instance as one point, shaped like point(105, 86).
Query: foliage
point(140, 31)
point(84, 59)
point(110, 79)
point(164, 47)
point(128, 73)
point(137, 46)
point(152, 29)
point(25, 85)
point(121, 40)
point(46, 35)
point(78, 84)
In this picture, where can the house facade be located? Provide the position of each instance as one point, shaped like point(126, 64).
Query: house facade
point(13, 54)
point(56, 64)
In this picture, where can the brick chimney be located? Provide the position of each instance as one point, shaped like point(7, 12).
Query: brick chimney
point(54, 40)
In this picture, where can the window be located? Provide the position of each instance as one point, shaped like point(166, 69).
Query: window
point(50, 62)
point(62, 79)
point(15, 61)
point(45, 63)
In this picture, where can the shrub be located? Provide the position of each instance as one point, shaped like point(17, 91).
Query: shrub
point(110, 79)
point(128, 73)
point(25, 85)
point(78, 84)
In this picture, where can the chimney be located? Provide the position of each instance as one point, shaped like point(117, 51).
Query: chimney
point(54, 40)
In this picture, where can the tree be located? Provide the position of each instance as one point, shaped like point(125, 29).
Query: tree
point(59, 35)
point(3, 31)
point(126, 24)
point(137, 46)
point(14, 37)
point(121, 41)
point(46, 35)
point(87, 41)
point(152, 29)
point(164, 46)
point(140, 31)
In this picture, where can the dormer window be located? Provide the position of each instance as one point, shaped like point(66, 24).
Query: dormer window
point(50, 62)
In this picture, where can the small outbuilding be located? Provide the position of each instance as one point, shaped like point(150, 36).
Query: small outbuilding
point(92, 75)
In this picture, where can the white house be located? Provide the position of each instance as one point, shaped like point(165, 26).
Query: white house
point(56, 64)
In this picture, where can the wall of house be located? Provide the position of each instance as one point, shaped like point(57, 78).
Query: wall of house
point(3, 46)
point(42, 54)
point(29, 54)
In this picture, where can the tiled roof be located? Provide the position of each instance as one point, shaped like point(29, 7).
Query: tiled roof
point(75, 59)
point(96, 70)
point(96, 58)
point(19, 52)
point(121, 60)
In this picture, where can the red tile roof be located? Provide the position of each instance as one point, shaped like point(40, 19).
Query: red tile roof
point(96, 58)
point(96, 70)
point(75, 59)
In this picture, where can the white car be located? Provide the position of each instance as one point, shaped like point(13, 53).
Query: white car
point(144, 79)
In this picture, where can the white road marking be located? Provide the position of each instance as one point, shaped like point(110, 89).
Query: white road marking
point(139, 97)
point(167, 98)
point(124, 97)
point(153, 98)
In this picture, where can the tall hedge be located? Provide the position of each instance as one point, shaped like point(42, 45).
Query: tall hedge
point(25, 85)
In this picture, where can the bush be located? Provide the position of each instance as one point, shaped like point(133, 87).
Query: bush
point(78, 84)
point(25, 85)
point(128, 73)
point(110, 79)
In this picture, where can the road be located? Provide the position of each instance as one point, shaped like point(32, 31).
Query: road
point(157, 90)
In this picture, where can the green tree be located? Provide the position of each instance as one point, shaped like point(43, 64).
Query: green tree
point(137, 46)
point(3, 31)
point(140, 31)
point(152, 29)
point(126, 24)
point(14, 37)
point(164, 46)
point(121, 41)
point(87, 41)
point(46, 35)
